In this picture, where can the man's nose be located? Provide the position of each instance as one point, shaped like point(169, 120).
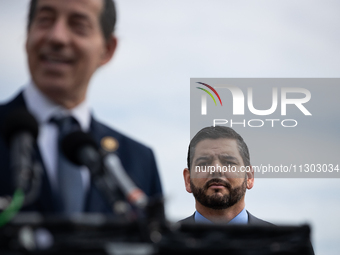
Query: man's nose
point(217, 170)
point(59, 34)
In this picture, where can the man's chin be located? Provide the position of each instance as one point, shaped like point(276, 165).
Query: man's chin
point(53, 88)
point(52, 85)
point(217, 192)
point(217, 202)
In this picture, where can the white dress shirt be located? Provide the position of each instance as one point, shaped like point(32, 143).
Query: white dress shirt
point(43, 109)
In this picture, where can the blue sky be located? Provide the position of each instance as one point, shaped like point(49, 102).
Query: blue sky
point(144, 91)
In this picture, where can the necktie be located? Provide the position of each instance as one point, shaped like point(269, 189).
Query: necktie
point(70, 186)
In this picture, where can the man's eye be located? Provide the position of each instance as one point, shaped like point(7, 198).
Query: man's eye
point(44, 20)
point(203, 164)
point(80, 27)
point(229, 164)
point(79, 24)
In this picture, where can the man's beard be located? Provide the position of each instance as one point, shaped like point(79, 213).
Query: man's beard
point(216, 201)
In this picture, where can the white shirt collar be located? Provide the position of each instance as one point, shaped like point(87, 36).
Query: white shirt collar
point(43, 108)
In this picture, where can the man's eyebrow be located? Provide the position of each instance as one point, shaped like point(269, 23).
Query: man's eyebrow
point(227, 157)
point(45, 9)
point(203, 158)
point(80, 16)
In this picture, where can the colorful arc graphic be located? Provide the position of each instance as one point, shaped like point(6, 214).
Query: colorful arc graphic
point(208, 93)
point(213, 90)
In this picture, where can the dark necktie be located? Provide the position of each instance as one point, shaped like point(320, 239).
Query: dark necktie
point(70, 186)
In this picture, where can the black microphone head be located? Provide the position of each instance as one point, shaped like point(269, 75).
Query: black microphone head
point(19, 120)
point(73, 142)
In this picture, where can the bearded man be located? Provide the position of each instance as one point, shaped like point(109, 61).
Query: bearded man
point(218, 174)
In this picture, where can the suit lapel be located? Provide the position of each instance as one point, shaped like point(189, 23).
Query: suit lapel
point(45, 201)
point(188, 220)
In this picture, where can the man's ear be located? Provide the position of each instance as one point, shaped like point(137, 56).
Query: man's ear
point(110, 46)
point(186, 175)
point(250, 177)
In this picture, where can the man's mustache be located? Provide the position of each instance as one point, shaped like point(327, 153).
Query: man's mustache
point(217, 181)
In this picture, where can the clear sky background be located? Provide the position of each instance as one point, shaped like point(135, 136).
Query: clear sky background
point(144, 91)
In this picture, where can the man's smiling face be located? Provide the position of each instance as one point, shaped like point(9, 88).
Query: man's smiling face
point(65, 45)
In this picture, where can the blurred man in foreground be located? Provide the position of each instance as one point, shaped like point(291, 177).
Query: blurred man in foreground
point(67, 41)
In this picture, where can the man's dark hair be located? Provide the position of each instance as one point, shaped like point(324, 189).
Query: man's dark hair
point(107, 17)
point(216, 133)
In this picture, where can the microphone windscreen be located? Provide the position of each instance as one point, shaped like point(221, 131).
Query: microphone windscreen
point(73, 142)
point(19, 120)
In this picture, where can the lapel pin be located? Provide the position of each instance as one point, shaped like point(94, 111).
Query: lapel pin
point(109, 144)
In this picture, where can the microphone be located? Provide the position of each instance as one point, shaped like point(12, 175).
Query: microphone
point(111, 178)
point(81, 149)
point(20, 132)
point(133, 194)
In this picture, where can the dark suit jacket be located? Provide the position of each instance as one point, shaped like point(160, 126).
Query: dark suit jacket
point(252, 220)
point(137, 159)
